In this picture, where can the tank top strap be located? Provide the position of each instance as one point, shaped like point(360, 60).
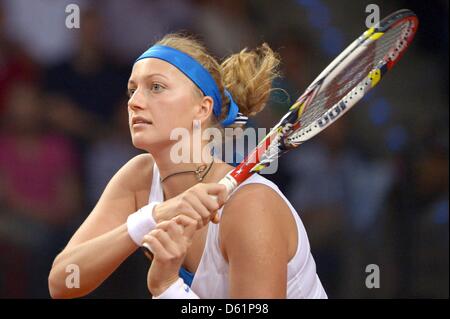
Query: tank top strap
point(156, 192)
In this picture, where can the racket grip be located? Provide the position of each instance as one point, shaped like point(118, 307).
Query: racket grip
point(230, 184)
point(147, 251)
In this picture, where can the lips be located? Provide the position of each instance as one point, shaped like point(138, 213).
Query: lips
point(140, 120)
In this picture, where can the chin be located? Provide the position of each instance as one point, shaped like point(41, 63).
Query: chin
point(142, 143)
point(149, 143)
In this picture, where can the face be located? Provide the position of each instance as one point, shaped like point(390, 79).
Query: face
point(161, 99)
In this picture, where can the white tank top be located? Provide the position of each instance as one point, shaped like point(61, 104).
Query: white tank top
point(211, 278)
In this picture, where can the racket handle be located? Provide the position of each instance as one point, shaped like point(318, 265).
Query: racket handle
point(230, 184)
point(147, 251)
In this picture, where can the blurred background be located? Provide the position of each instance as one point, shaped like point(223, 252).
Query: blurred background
point(373, 189)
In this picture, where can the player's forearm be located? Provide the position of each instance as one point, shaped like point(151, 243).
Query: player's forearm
point(95, 259)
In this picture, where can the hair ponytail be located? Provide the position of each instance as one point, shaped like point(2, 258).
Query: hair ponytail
point(248, 75)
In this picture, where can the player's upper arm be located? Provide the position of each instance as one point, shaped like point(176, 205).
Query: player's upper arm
point(118, 199)
point(255, 242)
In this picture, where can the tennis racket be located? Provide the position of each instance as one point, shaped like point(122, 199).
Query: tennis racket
point(349, 77)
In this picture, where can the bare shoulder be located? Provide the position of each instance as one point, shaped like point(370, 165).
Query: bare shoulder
point(137, 173)
point(141, 161)
point(254, 213)
point(251, 196)
point(140, 167)
point(255, 197)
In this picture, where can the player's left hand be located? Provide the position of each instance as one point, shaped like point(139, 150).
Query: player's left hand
point(168, 242)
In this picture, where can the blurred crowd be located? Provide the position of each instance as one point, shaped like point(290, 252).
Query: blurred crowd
point(372, 189)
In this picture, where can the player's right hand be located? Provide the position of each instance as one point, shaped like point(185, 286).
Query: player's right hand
point(196, 203)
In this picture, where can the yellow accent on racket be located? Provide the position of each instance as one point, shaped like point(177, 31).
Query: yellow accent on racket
point(375, 76)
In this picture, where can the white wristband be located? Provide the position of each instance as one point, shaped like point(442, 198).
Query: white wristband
point(178, 290)
point(141, 223)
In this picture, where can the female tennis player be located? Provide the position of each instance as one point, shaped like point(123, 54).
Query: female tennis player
point(248, 244)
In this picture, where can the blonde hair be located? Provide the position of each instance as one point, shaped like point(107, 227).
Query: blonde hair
point(247, 75)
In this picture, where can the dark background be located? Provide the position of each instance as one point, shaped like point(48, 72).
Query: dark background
point(372, 189)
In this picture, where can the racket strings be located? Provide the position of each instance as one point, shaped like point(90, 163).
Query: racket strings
point(375, 53)
point(390, 41)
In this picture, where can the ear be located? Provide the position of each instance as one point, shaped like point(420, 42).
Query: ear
point(204, 109)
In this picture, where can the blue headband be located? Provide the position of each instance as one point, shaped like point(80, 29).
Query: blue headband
point(199, 75)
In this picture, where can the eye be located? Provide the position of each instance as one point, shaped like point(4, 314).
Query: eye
point(130, 92)
point(157, 87)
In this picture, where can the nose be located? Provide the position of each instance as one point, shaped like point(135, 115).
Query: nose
point(136, 101)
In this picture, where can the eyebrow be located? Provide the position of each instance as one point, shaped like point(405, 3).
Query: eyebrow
point(130, 81)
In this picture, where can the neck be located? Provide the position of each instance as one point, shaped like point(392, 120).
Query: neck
point(176, 184)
